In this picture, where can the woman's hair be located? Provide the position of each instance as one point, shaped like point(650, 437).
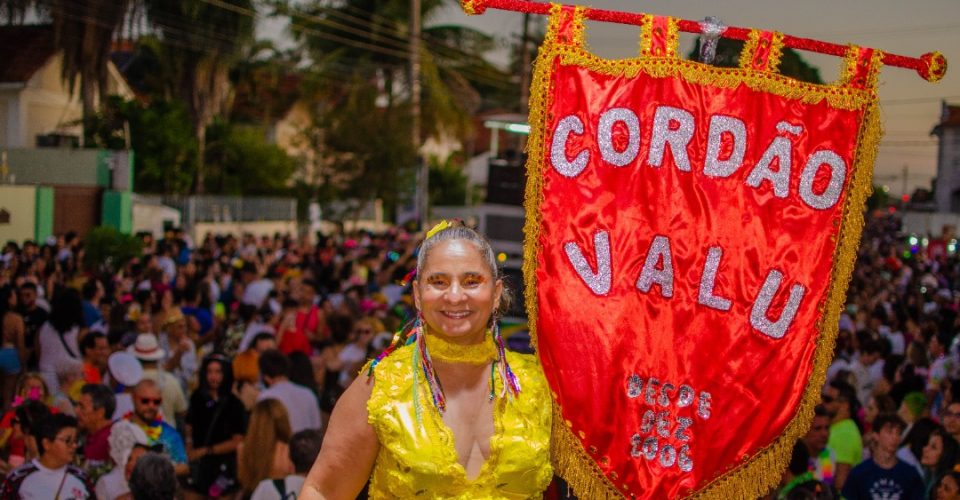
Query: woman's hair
point(225, 367)
point(301, 371)
point(458, 231)
point(918, 436)
point(949, 455)
point(269, 424)
point(153, 478)
point(6, 292)
point(66, 311)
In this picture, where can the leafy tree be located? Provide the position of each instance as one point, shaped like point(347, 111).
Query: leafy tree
point(242, 162)
point(107, 250)
point(200, 41)
point(448, 183)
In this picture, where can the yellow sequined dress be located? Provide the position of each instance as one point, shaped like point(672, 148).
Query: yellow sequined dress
point(420, 460)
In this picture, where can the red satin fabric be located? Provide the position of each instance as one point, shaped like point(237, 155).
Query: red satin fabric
point(590, 345)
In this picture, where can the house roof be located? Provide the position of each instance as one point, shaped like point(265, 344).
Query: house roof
point(23, 51)
point(950, 117)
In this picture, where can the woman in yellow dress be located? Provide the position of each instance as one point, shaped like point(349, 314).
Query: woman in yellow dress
point(446, 412)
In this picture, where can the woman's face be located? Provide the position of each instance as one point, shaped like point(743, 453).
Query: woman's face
point(932, 451)
point(32, 389)
point(456, 292)
point(870, 412)
point(214, 375)
point(948, 489)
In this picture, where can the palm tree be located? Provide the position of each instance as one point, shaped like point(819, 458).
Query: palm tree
point(201, 40)
point(84, 32)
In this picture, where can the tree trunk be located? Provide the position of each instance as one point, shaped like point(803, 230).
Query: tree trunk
point(198, 179)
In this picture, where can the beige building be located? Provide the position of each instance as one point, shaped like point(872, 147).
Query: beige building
point(34, 100)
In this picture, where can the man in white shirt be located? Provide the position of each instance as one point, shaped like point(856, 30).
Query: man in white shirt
point(52, 474)
point(301, 404)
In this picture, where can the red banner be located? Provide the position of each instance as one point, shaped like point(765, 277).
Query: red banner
point(691, 231)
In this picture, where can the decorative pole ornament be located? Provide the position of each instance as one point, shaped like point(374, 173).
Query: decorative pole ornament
point(690, 235)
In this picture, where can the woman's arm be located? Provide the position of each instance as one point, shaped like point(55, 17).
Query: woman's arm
point(349, 449)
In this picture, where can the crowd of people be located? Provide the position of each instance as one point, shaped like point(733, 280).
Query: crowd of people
point(221, 359)
point(212, 367)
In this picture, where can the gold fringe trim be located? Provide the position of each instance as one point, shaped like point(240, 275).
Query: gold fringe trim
point(574, 465)
point(757, 475)
point(671, 39)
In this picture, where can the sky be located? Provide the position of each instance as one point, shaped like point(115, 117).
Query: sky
point(910, 105)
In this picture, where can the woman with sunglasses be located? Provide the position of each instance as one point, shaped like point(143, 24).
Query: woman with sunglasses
point(441, 413)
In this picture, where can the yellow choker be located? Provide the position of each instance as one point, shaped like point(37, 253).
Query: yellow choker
point(448, 352)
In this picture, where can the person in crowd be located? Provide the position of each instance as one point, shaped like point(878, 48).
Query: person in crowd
point(841, 403)
point(123, 373)
point(876, 405)
point(180, 352)
point(34, 316)
point(458, 292)
point(30, 388)
point(264, 453)
point(823, 460)
point(215, 428)
point(291, 337)
point(301, 404)
point(950, 418)
point(354, 354)
point(867, 369)
point(69, 382)
point(245, 364)
point(92, 293)
point(883, 476)
point(13, 349)
point(304, 448)
point(52, 474)
point(913, 408)
point(147, 399)
point(938, 458)
point(147, 350)
point(94, 417)
point(58, 338)
point(153, 478)
point(948, 488)
point(94, 349)
point(911, 448)
point(127, 443)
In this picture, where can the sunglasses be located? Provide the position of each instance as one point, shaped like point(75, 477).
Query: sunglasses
point(147, 401)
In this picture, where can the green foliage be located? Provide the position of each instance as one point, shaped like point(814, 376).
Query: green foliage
point(791, 63)
point(164, 145)
point(107, 250)
point(448, 182)
point(240, 161)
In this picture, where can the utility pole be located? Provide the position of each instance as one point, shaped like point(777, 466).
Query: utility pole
point(525, 65)
point(423, 193)
point(906, 171)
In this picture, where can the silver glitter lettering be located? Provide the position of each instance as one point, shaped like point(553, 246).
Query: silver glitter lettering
point(709, 280)
point(758, 314)
point(605, 136)
point(651, 394)
point(684, 461)
point(685, 396)
point(664, 397)
point(703, 405)
point(668, 456)
point(719, 125)
point(648, 421)
point(650, 446)
point(789, 128)
point(780, 149)
point(598, 282)
point(838, 174)
point(634, 386)
point(659, 250)
point(558, 151)
point(663, 423)
point(683, 423)
point(677, 138)
point(635, 442)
